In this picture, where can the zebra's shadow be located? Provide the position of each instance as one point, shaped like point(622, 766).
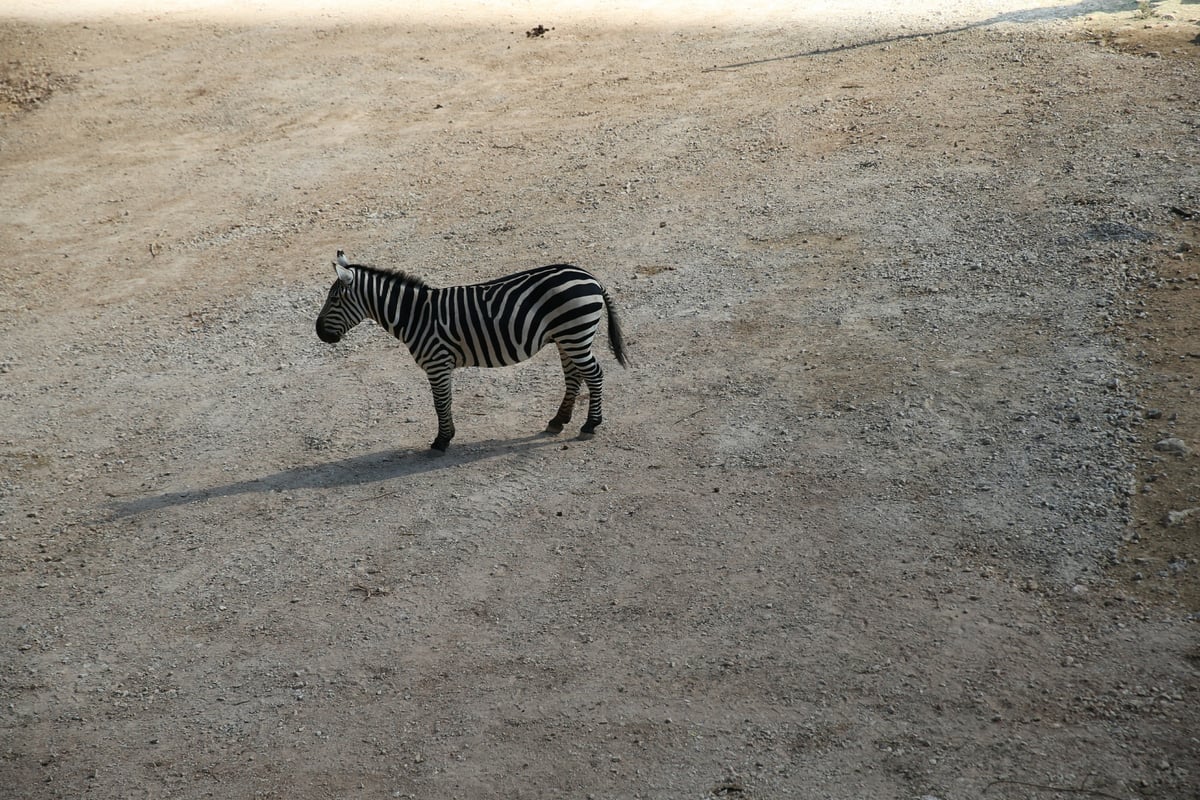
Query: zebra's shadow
point(382, 465)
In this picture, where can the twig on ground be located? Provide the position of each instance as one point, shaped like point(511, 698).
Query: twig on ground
point(1045, 788)
point(370, 591)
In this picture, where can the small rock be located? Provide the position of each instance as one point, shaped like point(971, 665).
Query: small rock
point(1174, 518)
point(1172, 445)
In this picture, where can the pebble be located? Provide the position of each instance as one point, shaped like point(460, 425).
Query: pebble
point(1179, 517)
point(1172, 445)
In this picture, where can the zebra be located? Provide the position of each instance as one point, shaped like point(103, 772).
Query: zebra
point(496, 323)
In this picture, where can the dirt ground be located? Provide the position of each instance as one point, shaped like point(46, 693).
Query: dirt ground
point(899, 498)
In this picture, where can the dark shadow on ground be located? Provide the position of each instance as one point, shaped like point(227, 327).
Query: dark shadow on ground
point(1011, 17)
point(383, 465)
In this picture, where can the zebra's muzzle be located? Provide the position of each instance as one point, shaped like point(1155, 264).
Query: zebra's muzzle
point(327, 336)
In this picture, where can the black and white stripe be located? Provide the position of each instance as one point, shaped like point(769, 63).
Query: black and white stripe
point(492, 324)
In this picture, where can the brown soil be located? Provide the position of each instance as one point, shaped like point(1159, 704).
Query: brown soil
point(886, 505)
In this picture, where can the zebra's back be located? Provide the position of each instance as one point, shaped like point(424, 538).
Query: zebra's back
point(507, 320)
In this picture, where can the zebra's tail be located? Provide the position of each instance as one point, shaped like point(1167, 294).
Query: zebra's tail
point(615, 340)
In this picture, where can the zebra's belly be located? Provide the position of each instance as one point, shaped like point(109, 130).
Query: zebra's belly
point(496, 354)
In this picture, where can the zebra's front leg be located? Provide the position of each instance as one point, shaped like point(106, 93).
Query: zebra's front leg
point(573, 379)
point(595, 382)
point(442, 386)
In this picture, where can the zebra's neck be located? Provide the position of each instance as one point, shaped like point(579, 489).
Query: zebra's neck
point(397, 302)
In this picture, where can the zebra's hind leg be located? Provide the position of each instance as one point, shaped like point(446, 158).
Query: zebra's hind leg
point(573, 378)
point(562, 417)
point(441, 384)
point(595, 382)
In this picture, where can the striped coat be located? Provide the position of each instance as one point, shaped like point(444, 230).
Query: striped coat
point(493, 324)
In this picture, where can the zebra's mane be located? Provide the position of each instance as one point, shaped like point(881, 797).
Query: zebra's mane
point(395, 274)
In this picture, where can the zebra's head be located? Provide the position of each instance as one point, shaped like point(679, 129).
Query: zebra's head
point(343, 309)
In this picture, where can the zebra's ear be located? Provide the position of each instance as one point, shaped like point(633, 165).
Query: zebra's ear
point(344, 275)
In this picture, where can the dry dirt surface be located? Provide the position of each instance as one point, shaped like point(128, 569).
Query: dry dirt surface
point(898, 498)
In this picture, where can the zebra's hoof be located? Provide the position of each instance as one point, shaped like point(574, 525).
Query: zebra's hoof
point(439, 446)
point(554, 427)
point(585, 435)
